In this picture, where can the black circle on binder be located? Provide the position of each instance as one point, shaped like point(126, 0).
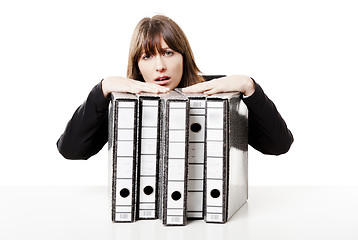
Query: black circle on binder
point(148, 190)
point(195, 127)
point(124, 193)
point(215, 193)
point(176, 195)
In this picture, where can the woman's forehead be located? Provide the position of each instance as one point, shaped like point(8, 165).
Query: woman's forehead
point(154, 45)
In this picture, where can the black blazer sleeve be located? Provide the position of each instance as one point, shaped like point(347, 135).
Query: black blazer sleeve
point(87, 131)
point(268, 132)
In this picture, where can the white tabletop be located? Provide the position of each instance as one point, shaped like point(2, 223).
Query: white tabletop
point(56, 212)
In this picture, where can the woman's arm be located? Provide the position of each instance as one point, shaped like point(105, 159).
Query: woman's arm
point(235, 83)
point(87, 131)
point(268, 132)
point(121, 84)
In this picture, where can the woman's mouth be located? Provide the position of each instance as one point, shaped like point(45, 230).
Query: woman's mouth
point(162, 80)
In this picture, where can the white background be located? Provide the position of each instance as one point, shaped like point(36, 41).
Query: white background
point(303, 54)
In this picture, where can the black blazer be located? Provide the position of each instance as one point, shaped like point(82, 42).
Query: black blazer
point(87, 131)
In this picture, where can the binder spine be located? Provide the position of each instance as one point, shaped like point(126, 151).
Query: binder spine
point(175, 163)
point(148, 158)
point(111, 158)
point(216, 162)
point(124, 164)
point(196, 155)
point(237, 187)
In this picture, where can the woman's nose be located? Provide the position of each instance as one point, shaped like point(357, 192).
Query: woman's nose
point(160, 64)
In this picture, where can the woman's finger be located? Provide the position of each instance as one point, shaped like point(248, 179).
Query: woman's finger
point(212, 91)
point(199, 87)
point(152, 88)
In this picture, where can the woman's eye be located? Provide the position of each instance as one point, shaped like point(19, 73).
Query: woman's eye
point(146, 57)
point(168, 53)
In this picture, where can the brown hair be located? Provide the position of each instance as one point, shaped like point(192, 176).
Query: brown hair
point(146, 37)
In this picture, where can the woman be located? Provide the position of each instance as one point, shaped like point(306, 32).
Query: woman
point(160, 59)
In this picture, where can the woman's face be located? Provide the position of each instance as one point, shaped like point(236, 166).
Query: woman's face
point(163, 69)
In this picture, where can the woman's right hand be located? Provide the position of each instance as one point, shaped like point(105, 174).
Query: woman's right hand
point(121, 84)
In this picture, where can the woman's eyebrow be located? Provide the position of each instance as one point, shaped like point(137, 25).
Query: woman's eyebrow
point(160, 50)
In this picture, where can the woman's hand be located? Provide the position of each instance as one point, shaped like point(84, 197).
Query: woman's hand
point(234, 83)
point(121, 84)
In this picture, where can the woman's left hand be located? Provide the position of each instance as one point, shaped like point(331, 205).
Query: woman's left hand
point(233, 83)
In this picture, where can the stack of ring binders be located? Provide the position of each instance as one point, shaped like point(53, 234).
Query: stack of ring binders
point(176, 156)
